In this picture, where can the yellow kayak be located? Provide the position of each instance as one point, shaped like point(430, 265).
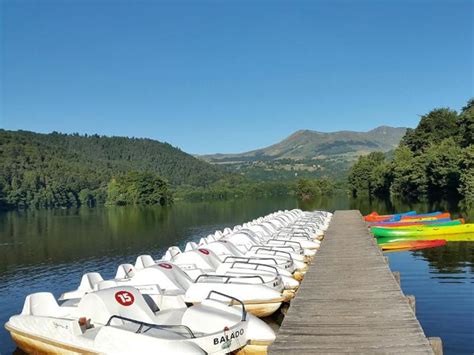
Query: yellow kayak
point(433, 231)
point(425, 219)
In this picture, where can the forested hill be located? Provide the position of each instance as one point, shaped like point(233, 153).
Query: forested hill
point(307, 144)
point(37, 168)
point(309, 154)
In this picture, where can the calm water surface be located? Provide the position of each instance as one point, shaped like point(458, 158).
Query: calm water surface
point(50, 250)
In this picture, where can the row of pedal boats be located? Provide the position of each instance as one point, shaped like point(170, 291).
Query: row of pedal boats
point(208, 298)
point(411, 231)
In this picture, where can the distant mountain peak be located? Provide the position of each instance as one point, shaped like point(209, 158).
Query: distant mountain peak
point(386, 129)
point(307, 144)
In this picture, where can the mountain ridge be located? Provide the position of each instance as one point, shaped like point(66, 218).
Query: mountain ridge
point(303, 144)
point(107, 154)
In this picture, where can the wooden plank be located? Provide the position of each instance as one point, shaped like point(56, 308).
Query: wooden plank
point(349, 300)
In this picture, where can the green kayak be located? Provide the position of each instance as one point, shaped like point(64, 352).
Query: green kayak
point(405, 231)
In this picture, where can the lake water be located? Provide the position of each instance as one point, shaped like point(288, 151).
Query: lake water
point(49, 250)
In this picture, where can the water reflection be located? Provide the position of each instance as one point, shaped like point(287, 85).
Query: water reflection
point(387, 206)
point(32, 237)
point(50, 250)
point(454, 258)
point(442, 279)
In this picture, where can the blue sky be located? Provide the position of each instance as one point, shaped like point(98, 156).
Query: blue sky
point(230, 76)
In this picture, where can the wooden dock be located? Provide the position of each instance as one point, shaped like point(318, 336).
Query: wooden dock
point(350, 301)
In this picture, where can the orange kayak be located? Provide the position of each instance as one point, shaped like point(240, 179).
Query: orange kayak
point(427, 218)
point(407, 216)
point(412, 245)
point(375, 217)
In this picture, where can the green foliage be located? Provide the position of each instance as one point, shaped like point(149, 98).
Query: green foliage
point(306, 189)
point(433, 160)
point(60, 170)
point(408, 171)
point(443, 168)
point(466, 186)
point(452, 258)
point(86, 197)
point(3, 202)
point(469, 106)
point(289, 169)
point(234, 187)
point(238, 186)
point(466, 124)
point(370, 175)
point(435, 126)
point(138, 188)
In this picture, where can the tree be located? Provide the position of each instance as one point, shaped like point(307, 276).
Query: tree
point(469, 106)
point(369, 175)
point(86, 198)
point(437, 125)
point(60, 170)
point(382, 178)
point(409, 177)
point(466, 187)
point(306, 189)
point(432, 160)
point(138, 188)
point(3, 202)
point(443, 168)
point(466, 124)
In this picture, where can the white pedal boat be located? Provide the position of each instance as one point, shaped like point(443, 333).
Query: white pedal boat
point(149, 277)
point(196, 262)
point(251, 247)
point(228, 253)
point(308, 239)
point(300, 243)
point(169, 305)
point(119, 320)
point(301, 248)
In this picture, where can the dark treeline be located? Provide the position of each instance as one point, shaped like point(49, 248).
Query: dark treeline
point(307, 189)
point(236, 186)
point(434, 160)
point(60, 170)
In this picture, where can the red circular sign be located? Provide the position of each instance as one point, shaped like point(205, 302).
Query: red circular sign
point(165, 265)
point(204, 251)
point(125, 298)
